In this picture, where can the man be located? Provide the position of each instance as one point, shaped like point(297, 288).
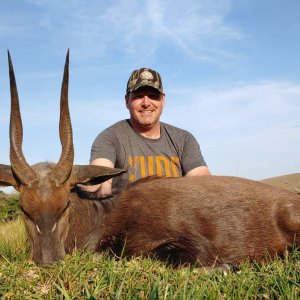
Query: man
point(143, 144)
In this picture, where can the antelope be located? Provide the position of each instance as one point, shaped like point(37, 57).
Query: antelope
point(208, 220)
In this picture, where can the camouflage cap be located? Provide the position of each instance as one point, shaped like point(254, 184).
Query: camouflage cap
point(144, 77)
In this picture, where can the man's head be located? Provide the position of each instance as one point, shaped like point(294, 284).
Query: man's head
point(145, 99)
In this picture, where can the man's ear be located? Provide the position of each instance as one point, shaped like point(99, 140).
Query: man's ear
point(127, 100)
point(7, 177)
point(91, 174)
point(163, 99)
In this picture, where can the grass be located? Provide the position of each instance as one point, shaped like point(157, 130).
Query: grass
point(84, 275)
point(13, 244)
point(9, 206)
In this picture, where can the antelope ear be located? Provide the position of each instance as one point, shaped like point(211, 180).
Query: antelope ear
point(91, 175)
point(7, 178)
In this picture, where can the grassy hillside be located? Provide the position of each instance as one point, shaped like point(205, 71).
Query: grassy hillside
point(290, 182)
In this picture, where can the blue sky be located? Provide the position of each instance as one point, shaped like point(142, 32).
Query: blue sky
point(230, 70)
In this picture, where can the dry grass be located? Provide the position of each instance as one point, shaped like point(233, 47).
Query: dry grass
point(13, 239)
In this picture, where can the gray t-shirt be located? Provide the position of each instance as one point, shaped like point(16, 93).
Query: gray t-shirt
point(174, 154)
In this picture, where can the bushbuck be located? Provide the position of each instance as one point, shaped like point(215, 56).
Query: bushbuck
point(210, 220)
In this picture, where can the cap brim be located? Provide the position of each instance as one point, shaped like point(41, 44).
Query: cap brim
point(143, 85)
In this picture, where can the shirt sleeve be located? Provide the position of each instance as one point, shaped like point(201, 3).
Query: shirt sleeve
point(105, 146)
point(191, 154)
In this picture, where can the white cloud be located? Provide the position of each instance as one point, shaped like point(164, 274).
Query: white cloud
point(140, 28)
point(10, 26)
point(198, 27)
point(239, 104)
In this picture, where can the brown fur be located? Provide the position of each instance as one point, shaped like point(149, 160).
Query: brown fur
point(211, 218)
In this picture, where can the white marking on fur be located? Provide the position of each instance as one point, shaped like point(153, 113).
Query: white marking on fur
point(53, 228)
point(38, 228)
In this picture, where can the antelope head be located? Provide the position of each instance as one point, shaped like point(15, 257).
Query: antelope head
point(44, 187)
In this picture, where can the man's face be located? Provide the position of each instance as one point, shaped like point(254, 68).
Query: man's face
point(145, 106)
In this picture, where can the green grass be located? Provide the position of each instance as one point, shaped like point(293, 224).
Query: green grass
point(84, 275)
point(9, 206)
point(91, 276)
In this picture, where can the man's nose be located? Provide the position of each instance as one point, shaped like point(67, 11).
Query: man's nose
point(146, 100)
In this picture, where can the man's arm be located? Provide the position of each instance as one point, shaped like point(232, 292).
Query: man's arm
point(105, 188)
point(192, 159)
point(199, 171)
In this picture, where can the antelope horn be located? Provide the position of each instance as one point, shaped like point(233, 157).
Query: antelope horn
point(63, 168)
point(20, 167)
